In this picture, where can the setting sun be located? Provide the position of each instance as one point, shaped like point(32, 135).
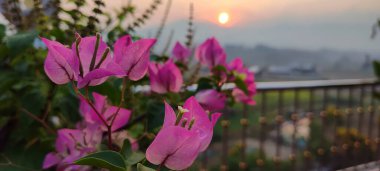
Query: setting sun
point(223, 18)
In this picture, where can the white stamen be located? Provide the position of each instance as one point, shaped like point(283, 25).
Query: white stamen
point(182, 110)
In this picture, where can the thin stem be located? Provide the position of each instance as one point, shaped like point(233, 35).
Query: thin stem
point(195, 73)
point(42, 122)
point(121, 100)
point(159, 167)
point(49, 99)
point(113, 116)
point(91, 104)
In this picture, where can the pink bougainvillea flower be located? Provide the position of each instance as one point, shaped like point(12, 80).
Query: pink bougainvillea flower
point(107, 111)
point(211, 99)
point(96, 67)
point(236, 64)
point(181, 53)
point(119, 137)
point(237, 68)
point(133, 57)
point(210, 53)
point(71, 145)
point(181, 140)
point(59, 64)
point(203, 125)
point(165, 77)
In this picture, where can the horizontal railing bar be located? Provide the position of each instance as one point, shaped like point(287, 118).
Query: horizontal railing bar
point(282, 85)
point(314, 84)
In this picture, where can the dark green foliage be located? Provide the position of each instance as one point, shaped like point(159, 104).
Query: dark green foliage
point(376, 68)
point(105, 159)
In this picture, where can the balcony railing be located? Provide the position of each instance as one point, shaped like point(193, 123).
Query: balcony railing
point(300, 125)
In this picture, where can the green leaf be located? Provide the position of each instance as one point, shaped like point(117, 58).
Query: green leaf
point(135, 158)
point(105, 159)
point(204, 83)
point(241, 85)
point(126, 150)
point(220, 68)
point(2, 31)
point(376, 68)
point(20, 41)
point(141, 167)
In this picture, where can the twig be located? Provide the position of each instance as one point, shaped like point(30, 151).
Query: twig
point(42, 122)
point(163, 21)
point(113, 117)
point(190, 31)
point(195, 73)
point(90, 103)
point(49, 99)
point(10, 163)
point(168, 42)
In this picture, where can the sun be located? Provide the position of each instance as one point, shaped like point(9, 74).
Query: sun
point(223, 17)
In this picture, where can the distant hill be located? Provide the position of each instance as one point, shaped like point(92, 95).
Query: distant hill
point(324, 59)
point(329, 63)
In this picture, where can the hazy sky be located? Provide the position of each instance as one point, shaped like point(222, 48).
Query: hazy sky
point(308, 24)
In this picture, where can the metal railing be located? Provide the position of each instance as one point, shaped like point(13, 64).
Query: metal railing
point(300, 125)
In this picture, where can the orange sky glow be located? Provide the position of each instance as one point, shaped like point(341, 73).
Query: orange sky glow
point(297, 23)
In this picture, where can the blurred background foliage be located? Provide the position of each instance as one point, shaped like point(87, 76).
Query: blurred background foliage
point(31, 106)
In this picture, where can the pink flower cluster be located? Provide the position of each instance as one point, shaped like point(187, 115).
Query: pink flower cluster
point(211, 54)
point(90, 62)
point(182, 137)
point(72, 144)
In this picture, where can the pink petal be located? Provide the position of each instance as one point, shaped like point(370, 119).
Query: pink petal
point(65, 139)
point(59, 63)
point(155, 83)
point(236, 64)
point(185, 155)
point(134, 58)
point(210, 53)
point(169, 141)
point(140, 68)
point(121, 119)
point(202, 123)
point(170, 116)
point(86, 51)
point(180, 52)
point(166, 77)
point(176, 79)
point(50, 160)
point(116, 69)
point(120, 47)
point(215, 117)
point(202, 120)
point(211, 99)
point(240, 96)
point(90, 116)
point(95, 77)
point(100, 101)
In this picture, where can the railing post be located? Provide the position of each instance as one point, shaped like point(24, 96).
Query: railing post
point(294, 118)
point(307, 154)
point(262, 121)
point(244, 123)
point(225, 124)
point(323, 114)
point(371, 110)
point(279, 121)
